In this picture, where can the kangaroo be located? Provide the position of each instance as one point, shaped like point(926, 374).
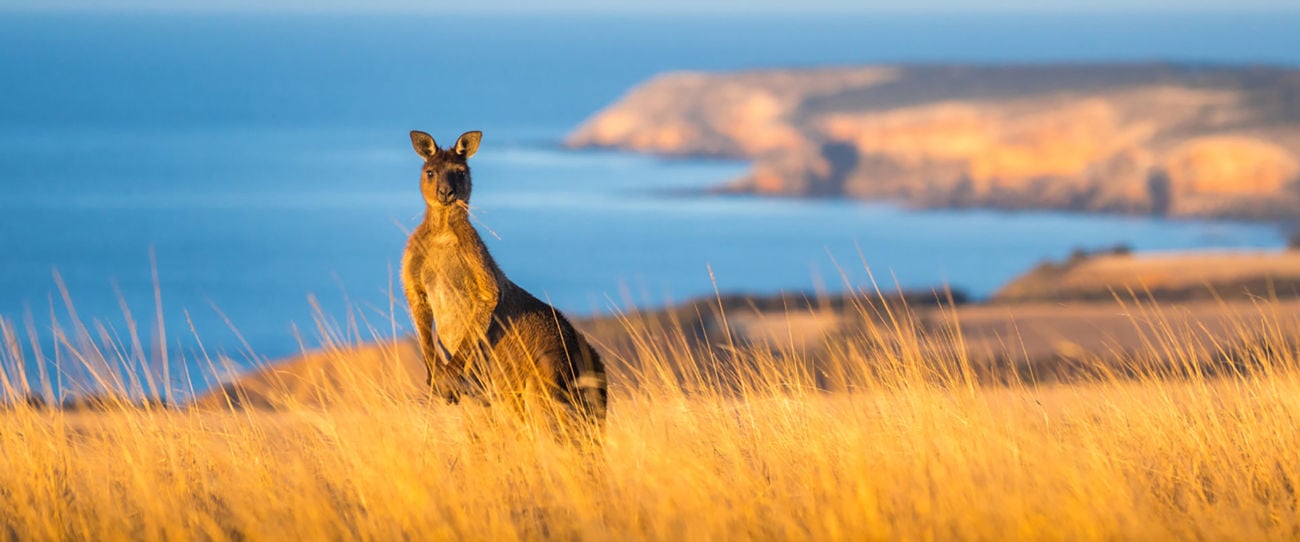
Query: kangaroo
point(480, 334)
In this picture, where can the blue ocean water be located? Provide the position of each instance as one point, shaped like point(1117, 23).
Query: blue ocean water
point(254, 161)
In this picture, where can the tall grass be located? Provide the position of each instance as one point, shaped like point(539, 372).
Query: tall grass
point(890, 433)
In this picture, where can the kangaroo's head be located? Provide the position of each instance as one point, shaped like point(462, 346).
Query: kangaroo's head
point(445, 179)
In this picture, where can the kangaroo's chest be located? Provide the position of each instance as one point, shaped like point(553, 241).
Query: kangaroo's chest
point(452, 290)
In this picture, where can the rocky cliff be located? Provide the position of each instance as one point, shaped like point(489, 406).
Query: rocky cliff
point(1206, 141)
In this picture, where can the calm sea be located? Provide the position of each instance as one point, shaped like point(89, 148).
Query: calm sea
point(257, 161)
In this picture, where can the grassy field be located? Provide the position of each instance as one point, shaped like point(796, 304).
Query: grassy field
point(891, 435)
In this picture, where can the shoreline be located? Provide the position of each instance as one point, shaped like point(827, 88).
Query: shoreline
point(1155, 138)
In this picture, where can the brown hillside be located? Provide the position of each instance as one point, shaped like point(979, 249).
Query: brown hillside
point(1041, 341)
point(1168, 276)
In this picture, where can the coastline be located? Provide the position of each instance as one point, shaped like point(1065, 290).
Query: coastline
point(1158, 139)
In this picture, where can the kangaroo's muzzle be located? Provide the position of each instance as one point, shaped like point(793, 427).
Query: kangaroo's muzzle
point(446, 194)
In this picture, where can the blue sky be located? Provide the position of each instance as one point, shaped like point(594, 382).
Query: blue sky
point(660, 6)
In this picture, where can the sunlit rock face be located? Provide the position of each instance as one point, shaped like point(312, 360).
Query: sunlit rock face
point(733, 115)
point(1160, 139)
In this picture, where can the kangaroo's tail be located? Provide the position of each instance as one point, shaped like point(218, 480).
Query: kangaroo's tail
point(589, 388)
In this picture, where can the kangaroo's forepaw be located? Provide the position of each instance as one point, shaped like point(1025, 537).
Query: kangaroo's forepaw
point(452, 388)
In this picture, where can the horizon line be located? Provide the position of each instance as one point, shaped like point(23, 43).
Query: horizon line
point(614, 10)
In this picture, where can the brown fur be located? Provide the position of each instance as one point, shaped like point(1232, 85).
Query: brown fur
point(480, 334)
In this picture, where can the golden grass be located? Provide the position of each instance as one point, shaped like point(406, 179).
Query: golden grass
point(887, 438)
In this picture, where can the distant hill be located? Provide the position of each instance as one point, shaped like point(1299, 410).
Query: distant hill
point(1167, 276)
point(348, 373)
point(1044, 331)
point(1170, 140)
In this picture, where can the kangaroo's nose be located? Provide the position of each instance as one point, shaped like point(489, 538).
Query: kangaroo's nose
point(444, 193)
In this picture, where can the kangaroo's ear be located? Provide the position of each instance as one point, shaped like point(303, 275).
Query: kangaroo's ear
point(467, 145)
point(424, 144)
